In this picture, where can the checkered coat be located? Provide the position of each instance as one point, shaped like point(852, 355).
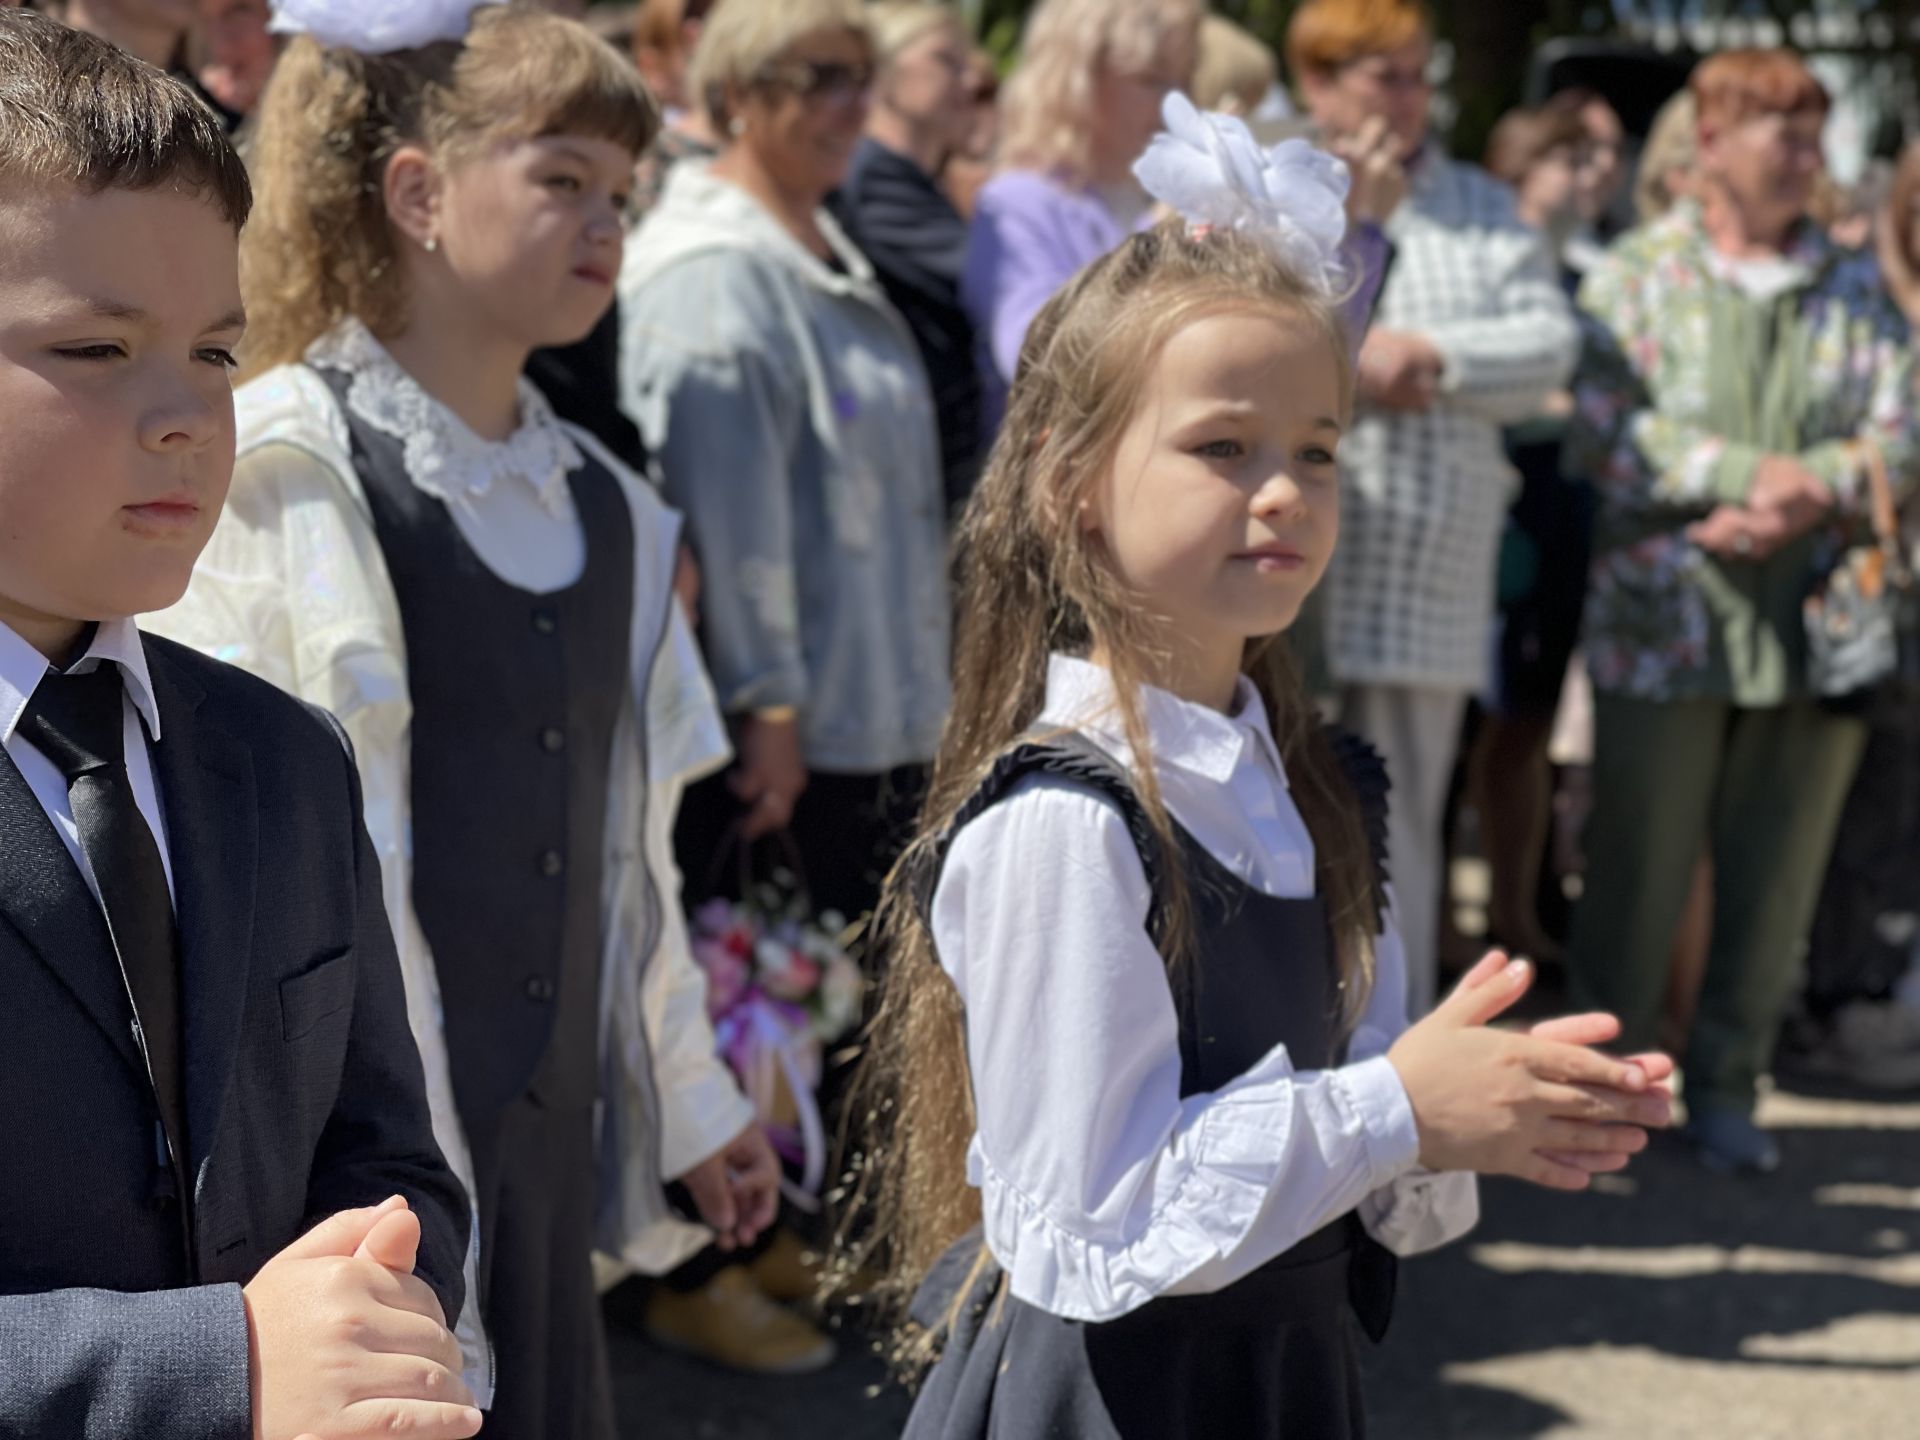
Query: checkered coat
point(1424, 497)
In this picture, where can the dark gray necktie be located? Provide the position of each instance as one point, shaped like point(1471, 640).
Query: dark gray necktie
point(78, 722)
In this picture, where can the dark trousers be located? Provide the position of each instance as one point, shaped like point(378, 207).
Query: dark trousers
point(1762, 789)
point(847, 830)
point(1874, 873)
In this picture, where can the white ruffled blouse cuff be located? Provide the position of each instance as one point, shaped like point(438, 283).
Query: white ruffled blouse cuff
point(1373, 1091)
point(1422, 1210)
point(1209, 1190)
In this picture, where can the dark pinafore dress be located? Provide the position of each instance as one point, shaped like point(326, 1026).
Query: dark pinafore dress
point(1273, 1356)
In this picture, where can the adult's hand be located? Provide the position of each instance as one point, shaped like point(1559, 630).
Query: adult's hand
point(344, 1340)
point(1379, 178)
point(1399, 371)
point(1785, 488)
point(771, 774)
point(1734, 532)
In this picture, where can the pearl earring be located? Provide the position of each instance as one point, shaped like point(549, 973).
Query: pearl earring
point(433, 243)
point(736, 127)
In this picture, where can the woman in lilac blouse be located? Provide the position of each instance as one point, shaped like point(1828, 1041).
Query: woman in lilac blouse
point(1077, 114)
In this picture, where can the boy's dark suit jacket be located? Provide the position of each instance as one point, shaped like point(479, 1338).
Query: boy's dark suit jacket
point(303, 1086)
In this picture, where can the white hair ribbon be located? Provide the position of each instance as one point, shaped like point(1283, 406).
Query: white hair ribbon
point(374, 27)
point(1292, 196)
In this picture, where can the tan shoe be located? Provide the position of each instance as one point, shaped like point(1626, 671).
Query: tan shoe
point(731, 1323)
point(788, 1270)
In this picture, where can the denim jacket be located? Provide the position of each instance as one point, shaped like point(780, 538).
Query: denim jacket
point(791, 421)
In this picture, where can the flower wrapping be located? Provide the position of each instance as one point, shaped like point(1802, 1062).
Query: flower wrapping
point(1293, 196)
point(374, 27)
point(781, 987)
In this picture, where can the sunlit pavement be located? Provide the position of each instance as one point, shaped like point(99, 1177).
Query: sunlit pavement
point(1675, 1303)
point(1669, 1305)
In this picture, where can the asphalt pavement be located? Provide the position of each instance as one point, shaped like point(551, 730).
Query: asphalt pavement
point(1671, 1304)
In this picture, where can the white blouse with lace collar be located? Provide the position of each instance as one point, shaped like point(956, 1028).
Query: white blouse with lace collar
point(1101, 1187)
point(509, 498)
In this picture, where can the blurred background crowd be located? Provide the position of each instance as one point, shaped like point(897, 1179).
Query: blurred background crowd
point(1619, 592)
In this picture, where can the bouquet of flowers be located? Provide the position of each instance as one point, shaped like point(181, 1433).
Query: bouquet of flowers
point(781, 988)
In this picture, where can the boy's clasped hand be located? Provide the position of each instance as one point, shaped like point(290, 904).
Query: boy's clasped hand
point(344, 1339)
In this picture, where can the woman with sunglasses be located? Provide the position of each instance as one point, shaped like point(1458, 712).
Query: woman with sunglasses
point(789, 416)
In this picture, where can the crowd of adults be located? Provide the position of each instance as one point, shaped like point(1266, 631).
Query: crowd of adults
point(1605, 453)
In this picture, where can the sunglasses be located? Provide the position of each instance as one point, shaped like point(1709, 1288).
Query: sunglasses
point(824, 80)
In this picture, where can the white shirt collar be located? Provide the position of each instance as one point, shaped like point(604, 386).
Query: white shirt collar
point(444, 457)
point(22, 668)
point(1189, 737)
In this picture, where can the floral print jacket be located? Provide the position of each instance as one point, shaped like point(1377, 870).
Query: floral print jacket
point(1665, 619)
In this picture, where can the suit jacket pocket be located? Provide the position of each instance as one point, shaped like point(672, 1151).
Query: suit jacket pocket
point(322, 989)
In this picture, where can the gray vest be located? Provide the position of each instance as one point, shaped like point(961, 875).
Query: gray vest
point(515, 697)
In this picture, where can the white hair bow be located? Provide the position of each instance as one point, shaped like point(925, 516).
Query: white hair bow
point(374, 27)
point(1292, 196)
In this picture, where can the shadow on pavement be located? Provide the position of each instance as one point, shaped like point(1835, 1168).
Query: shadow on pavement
point(1681, 1286)
point(1787, 1272)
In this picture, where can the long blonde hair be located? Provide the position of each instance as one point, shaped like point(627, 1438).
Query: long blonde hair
point(319, 247)
point(1031, 583)
point(1049, 109)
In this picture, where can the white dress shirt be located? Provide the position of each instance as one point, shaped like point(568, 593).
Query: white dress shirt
point(1101, 1188)
point(22, 668)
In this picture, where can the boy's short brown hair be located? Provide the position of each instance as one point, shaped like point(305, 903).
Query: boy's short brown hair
point(79, 111)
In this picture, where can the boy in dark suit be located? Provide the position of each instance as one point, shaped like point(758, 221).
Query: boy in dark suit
point(203, 1047)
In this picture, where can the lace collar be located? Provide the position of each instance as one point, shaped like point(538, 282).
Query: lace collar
point(444, 457)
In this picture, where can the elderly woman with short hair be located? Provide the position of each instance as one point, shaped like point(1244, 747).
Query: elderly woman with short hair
point(787, 410)
point(786, 406)
point(1743, 373)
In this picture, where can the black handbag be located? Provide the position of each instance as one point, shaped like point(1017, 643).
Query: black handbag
point(1863, 618)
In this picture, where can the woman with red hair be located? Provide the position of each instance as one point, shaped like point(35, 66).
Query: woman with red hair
point(1473, 332)
point(1744, 375)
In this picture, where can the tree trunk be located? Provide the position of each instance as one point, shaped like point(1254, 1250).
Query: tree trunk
point(1493, 42)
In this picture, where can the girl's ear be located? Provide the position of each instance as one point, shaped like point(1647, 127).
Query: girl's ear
point(411, 193)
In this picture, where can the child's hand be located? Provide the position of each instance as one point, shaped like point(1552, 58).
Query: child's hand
point(1536, 1107)
point(737, 1188)
point(1599, 1029)
point(343, 1339)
